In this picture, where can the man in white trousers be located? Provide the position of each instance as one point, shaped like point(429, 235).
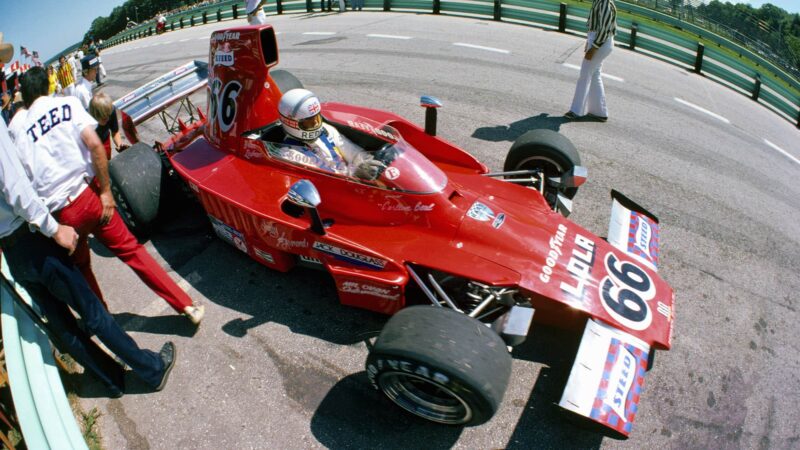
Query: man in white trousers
point(590, 97)
point(255, 13)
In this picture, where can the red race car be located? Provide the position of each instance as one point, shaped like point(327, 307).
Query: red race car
point(464, 259)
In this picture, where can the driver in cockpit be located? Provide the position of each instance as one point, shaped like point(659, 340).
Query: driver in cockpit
point(315, 143)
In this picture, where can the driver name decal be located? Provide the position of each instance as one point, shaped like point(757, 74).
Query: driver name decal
point(350, 256)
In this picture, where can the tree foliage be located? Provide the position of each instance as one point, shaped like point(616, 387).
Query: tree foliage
point(135, 10)
point(768, 24)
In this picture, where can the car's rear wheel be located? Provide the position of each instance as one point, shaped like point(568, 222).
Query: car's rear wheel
point(285, 80)
point(136, 184)
point(440, 365)
point(544, 150)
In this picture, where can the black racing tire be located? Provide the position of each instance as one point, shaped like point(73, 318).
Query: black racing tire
point(136, 177)
point(547, 150)
point(285, 80)
point(440, 365)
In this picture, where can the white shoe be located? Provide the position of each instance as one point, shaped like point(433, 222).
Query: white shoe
point(195, 313)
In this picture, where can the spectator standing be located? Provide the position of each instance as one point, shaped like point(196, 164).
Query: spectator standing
point(52, 80)
point(104, 112)
point(589, 92)
point(95, 49)
point(42, 266)
point(65, 77)
point(62, 155)
point(83, 90)
point(6, 111)
point(255, 13)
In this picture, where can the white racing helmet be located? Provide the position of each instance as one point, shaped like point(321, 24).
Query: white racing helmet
point(300, 114)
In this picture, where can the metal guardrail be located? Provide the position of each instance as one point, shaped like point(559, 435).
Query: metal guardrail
point(768, 86)
point(44, 413)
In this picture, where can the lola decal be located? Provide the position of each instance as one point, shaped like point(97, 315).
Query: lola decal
point(223, 103)
point(556, 242)
point(625, 293)
point(229, 234)
point(353, 287)
point(579, 266)
point(349, 256)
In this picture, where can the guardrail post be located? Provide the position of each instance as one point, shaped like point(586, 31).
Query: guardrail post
point(308, 6)
point(181, 22)
point(497, 10)
point(437, 5)
point(798, 118)
point(757, 87)
point(219, 15)
point(634, 31)
point(387, 5)
point(698, 61)
point(149, 31)
point(562, 18)
point(279, 6)
point(235, 9)
point(191, 21)
point(205, 17)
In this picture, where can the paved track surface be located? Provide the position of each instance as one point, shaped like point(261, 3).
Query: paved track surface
point(279, 364)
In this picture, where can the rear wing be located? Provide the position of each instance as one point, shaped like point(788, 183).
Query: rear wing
point(156, 96)
point(634, 230)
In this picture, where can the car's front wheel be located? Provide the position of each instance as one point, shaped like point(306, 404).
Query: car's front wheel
point(440, 365)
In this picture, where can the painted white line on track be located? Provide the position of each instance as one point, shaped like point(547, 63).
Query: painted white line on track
point(202, 38)
point(169, 42)
point(604, 75)
point(388, 36)
point(184, 40)
point(702, 110)
point(480, 47)
point(319, 33)
point(782, 151)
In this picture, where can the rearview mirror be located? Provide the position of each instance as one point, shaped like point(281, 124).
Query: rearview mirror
point(305, 195)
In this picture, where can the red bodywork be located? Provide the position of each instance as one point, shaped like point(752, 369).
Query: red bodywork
point(375, 231)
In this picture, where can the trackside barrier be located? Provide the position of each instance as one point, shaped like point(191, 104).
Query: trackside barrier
point(768, 87)
point(45, 417)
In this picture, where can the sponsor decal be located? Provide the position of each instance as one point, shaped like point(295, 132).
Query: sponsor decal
point(392, 173)
point(643, 237)
point(372, 130)
point(224, 55)
point(252, 150)
point(579, 266)
point(350, 256)
point(285, 243)
point(480, 212)
point(264, 255)
point(225, 36)
point(268, 228)
point(556, 242)
point(625, 293)
point(354, 287)
point(498, 221)
point(620, 380)
point(395, 203)
point(310, 260)
point(229, 234)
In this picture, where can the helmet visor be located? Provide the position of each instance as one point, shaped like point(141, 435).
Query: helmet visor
point(310, 123)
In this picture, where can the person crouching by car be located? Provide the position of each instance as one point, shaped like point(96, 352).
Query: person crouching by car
point(104, 112)
point(83, 90)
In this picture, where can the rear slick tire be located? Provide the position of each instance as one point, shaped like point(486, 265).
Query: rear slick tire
point(440, 365)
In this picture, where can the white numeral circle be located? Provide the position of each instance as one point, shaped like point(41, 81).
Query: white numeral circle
point(624, 293)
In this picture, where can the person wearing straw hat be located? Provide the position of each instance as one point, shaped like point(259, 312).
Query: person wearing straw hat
point(36, 248)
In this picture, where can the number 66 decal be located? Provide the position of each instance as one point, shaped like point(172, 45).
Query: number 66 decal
point(625, 293)
point(223, 103)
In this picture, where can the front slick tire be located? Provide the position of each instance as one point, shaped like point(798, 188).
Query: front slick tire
point(440, 365)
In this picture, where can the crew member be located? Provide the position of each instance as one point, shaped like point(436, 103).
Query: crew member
point(83, 90)
point(104, 112)
point(255, 13)
point(62, 155)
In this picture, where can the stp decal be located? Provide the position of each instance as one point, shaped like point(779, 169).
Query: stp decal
point(350, 256)
point(624, 293)
point(229, 234)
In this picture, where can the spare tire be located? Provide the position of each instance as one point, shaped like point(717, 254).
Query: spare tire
point(440, 365)
point(136, 184)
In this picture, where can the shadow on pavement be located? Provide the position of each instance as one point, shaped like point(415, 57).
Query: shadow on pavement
point(354, 415)
point(516, 129)
point(542, 425)
point(173, 325)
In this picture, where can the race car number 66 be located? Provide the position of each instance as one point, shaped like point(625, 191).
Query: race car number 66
point(625, 293)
